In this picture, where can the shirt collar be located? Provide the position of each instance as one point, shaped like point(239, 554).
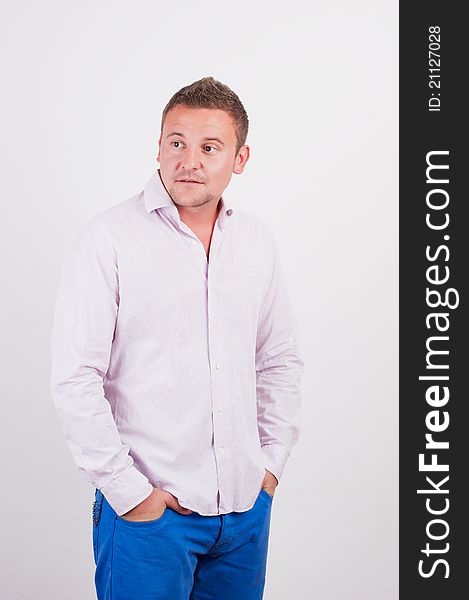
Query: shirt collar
point(155, 196)
point(224, 213)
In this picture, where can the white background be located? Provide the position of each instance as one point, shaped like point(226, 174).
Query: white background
point(83, 87)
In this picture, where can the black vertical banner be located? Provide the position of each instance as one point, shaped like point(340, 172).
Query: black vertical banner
point(434, 250)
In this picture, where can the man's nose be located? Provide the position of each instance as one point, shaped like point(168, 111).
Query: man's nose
point(191, 159)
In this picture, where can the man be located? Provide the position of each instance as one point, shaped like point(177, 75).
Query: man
point(175, 368)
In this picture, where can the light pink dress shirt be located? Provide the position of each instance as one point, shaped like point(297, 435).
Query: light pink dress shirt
point(171, 370)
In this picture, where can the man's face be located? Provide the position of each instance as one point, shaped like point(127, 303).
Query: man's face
point(197, 154)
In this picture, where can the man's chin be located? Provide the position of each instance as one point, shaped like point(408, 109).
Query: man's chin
point(188, 202)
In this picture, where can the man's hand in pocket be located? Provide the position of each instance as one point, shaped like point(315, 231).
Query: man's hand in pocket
point(153, 507)
point(269, 483)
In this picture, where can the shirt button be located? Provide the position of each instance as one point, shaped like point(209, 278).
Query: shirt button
point(222, 450)
point(220, 409)
point(218, 366)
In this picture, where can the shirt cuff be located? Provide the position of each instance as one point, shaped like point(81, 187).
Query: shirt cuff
point(127, 491)
point(275, 458)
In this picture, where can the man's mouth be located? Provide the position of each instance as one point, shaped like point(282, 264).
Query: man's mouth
point(188, 181)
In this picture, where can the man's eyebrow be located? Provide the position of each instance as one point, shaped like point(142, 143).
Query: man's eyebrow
point(205, 139)
point(174, 133)
point(214, 139)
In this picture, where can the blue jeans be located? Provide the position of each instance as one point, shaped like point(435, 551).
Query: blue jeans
point(181, 557)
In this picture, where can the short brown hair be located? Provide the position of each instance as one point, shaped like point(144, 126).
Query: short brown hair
point(210, 93)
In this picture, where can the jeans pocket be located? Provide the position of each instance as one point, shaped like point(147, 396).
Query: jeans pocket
point(265, 494)
point(96, 512)
point(152, 523)
point(97, 506)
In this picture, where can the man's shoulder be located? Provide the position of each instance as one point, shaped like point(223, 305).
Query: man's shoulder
point(253, 224)
point(118, 214)
point(109, 222)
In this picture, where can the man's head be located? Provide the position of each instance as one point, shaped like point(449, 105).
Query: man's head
point(202, 143)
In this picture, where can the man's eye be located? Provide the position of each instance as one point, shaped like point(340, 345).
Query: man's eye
point(210, 149)
point(176, 144)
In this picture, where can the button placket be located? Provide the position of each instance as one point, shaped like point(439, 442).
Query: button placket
point(217, 373)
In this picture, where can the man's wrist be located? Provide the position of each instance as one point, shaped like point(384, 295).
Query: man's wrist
point(124, 498)
point(273, 476)
point(141, 504)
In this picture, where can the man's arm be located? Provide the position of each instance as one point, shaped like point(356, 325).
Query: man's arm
point(278, 372)
point(81, 341)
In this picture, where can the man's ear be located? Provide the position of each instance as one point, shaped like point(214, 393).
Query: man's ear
point(159, 147)
point(241, 159)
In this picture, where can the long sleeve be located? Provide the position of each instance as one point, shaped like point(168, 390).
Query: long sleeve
point(278, 372)
point(81, 342)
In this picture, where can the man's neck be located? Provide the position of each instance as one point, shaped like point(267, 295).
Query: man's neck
point(200, 218)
